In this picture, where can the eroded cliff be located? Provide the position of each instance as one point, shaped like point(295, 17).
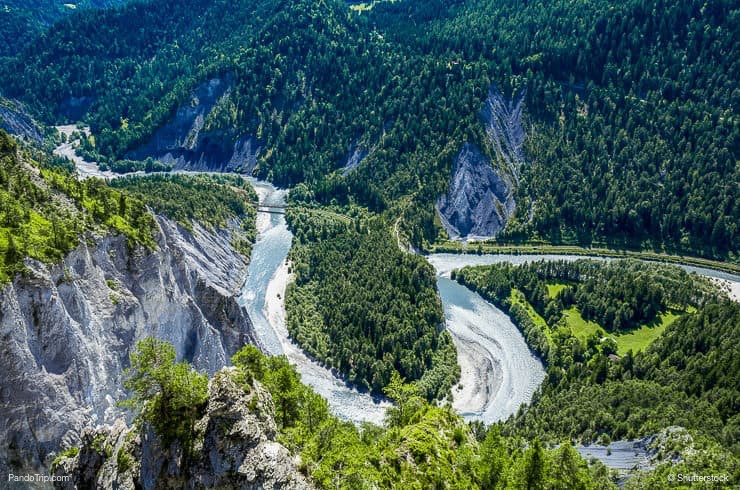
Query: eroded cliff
point(67, 329)
point(15, 119)
point(187, 142)
point(480, 198)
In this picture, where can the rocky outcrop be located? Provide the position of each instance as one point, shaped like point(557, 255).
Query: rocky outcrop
point(479, 200)
point(503, 120)
point(67, 330)
point(355, 156)
point(187, 145)
point(234, 447)
point(15, 120)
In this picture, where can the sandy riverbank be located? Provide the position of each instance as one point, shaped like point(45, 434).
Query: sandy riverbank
point(84, 168)
point(275, 303)
point(480, 377)
point(731, 288)
point(345, 401)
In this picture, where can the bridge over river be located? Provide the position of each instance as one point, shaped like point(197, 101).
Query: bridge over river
point(270, 208)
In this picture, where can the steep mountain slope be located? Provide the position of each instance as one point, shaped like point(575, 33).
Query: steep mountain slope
point(68, 329)
point(85, 271)
point(186, 143)
point(237, 448)
point(15, 120)
point(479, 201)
point(231, 440)
point(603, 99)
point(631, 107)
point(21, 22)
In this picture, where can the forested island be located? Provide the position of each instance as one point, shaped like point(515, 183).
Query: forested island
point(365, 307)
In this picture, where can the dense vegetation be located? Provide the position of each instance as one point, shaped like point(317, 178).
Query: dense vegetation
point(166, 395)
point(420, 446)
point(686, 377)
point(632, 139)
point(44, 210)
point(21, 22)
point(619, 295)
point(362, 305)
point(214, 201)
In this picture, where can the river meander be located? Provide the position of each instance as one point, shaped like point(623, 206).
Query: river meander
point(498, 371)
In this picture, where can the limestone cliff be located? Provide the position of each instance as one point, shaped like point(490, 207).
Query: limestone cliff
point(187, 143)
point(234, 447)
point(67, 329)
point(15, 119)
point(479, 201)
point(503, 122)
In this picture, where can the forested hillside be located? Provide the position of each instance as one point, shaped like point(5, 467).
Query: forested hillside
point(671, 361)
point(21, 22)
point(44, 210)
point(631, 140)
point(419, 446)
point(632, 134)
point(219, 202)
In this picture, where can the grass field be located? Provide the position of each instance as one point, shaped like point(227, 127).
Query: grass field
point(581, 328)
point(636, 340)
point(639, 339)
point(554, 289)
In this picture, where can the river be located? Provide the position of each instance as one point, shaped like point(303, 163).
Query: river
point(498, 371)
point(263, 293)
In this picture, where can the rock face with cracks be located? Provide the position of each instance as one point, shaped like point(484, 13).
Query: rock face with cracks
point(67, 330)
point(234, 447)
point(503, 121)
point(479, 200)
point(187, 144)
point(16, 121)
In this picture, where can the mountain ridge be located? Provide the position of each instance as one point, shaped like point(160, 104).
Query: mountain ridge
point(603, 161)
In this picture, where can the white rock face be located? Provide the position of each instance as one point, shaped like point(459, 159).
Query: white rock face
point(185, 142)
point(503, 120)
point(67, 330)
point(480, 199)
point(14, 119)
